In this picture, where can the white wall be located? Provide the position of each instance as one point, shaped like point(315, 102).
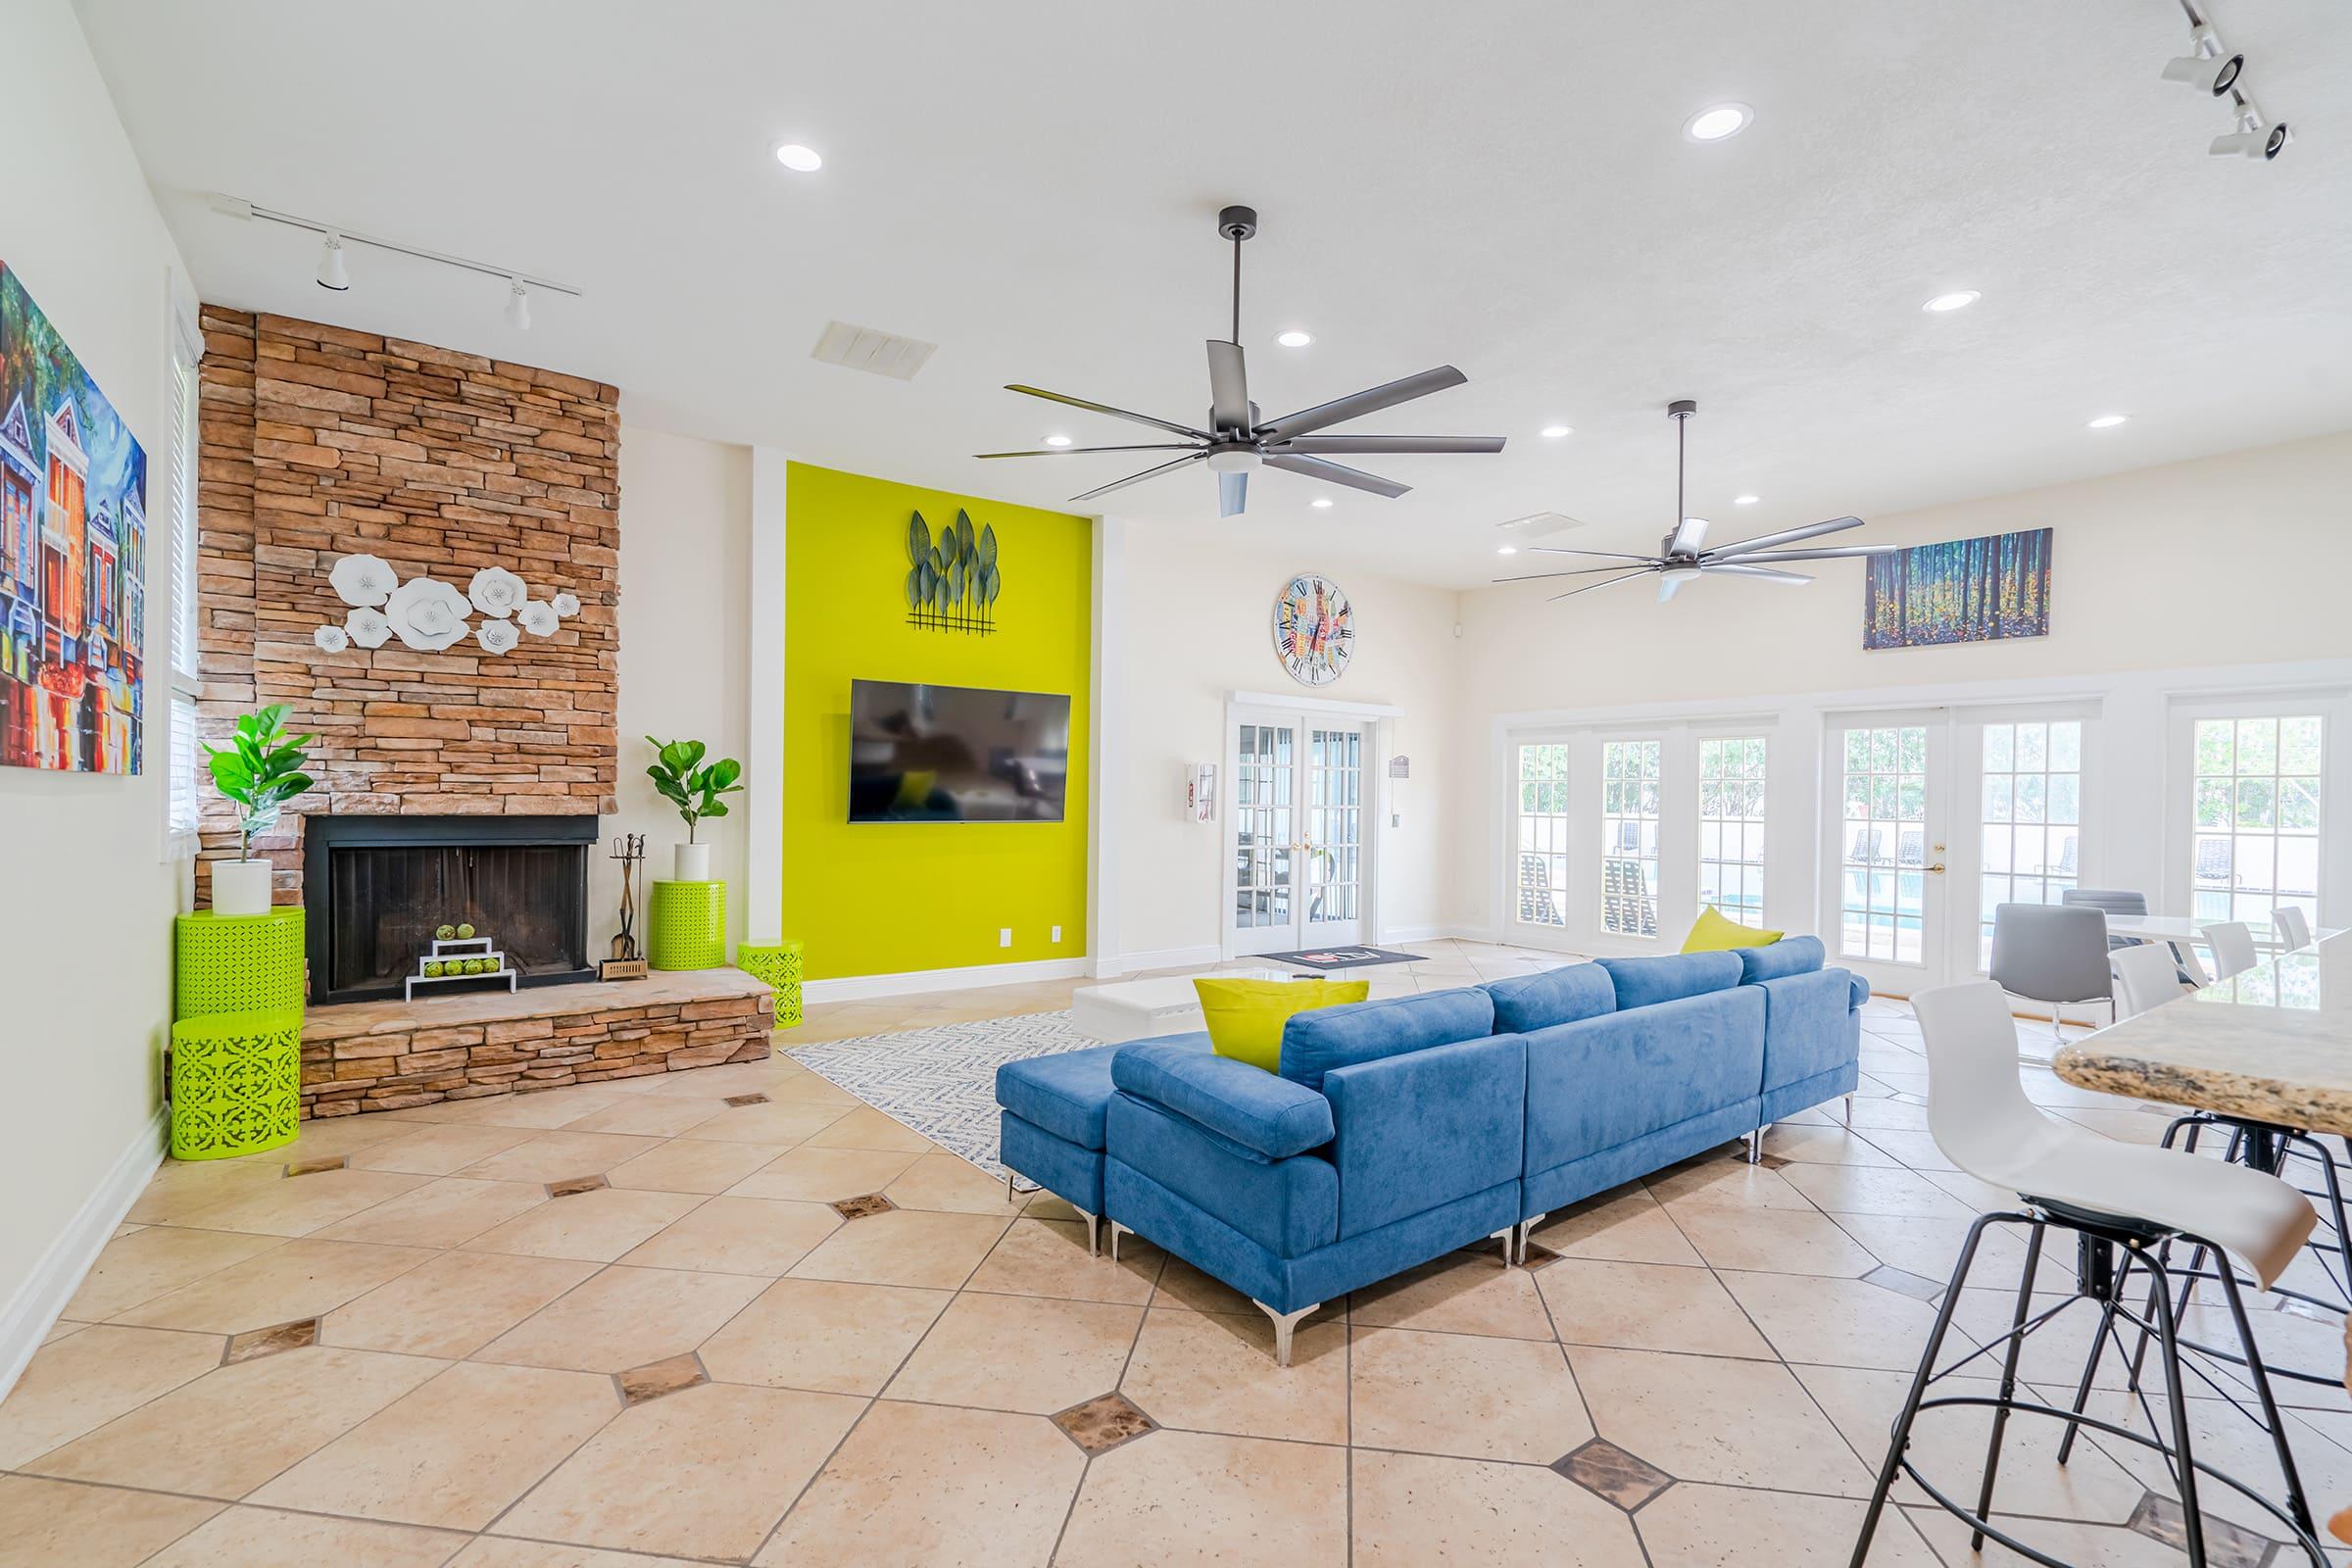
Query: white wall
point(85, 939)
point(685, 670)
point(1196, 626)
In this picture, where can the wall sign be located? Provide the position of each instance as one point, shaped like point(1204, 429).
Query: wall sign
point(1314, 629)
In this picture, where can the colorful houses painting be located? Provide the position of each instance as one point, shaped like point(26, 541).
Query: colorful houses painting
point(1994, 586)
point(73, 556)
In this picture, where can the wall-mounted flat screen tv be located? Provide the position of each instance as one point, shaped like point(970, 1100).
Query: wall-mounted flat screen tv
point(957, 753)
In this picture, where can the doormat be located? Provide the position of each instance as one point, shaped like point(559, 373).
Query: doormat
point(1339, 957)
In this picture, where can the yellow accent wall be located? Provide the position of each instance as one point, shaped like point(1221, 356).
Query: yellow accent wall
point(885, 897)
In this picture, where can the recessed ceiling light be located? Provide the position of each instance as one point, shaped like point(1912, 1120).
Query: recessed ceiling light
point(1320, 501)
point(1718, 121)
point(1058, 440)
point(1552, 432)
point(1745, 501)
point(1959, 299)
point(1506, 549)
point(799, 159)
point(2108, 421)
point(1295, 339)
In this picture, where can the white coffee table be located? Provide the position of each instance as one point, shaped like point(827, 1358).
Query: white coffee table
point(1143, 1009)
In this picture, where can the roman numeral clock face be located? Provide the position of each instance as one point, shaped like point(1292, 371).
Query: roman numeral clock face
point(1314, 631)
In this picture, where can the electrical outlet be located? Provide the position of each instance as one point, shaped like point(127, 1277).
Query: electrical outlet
point(1005, 937)
point(1058, 934)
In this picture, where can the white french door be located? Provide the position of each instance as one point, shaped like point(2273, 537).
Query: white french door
point(1885, 869)
point(1296, 843)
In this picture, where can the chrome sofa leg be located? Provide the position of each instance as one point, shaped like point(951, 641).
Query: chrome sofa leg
point(1527, 1232)
point(1850, 1110)
point(1093, 1232)
point(1508, 1236)
point(1284, 1324)
point(1756, 1147)
point(1118, 1230)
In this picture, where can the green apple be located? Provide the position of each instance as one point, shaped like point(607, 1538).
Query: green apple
point(443, 933)
point(433, 969)
point(464, 933)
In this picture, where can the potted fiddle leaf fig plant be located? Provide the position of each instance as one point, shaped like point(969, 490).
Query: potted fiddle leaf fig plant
point(259, 770)
point(696, 789)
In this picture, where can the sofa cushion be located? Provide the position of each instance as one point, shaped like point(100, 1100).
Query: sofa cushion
point(1593, 1084)
point(1066, 1092)
point(1531, 1002)
point(1787, 956)
point(1314, 1043)
point(1426, 1128)
point(1266, 1116)
point(1647, 982)
point(1244, 1017)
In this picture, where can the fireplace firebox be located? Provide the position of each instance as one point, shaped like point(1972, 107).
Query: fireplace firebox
point(377, 886)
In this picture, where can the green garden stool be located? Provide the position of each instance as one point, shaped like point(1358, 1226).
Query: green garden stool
point(781, 967)
point(236, 1083)
point(236, 964)
point(687, 925)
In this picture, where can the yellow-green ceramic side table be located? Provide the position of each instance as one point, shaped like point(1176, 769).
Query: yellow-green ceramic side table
point(236, 1083)
point(236, 964)
point(687, 925)
point(781, 967)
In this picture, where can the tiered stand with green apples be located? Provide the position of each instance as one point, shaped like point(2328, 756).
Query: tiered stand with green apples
point(458, 954)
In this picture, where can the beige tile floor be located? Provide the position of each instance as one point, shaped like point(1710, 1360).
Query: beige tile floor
point(695, 1357)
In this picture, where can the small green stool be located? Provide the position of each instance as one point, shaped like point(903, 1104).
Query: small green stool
point(687, 925)
point(236, 964)
point(781, 967)
point(236, 1083)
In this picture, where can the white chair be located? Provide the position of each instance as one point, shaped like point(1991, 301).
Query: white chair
point(2292, 925)
point(2145, 977)
point(2112, 1195)
point(2232, 943)
point(2184, 954)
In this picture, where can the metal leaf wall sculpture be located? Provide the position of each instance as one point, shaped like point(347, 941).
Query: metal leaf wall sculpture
point(952, 579)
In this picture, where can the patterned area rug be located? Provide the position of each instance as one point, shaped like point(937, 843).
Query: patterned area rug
point(943, 1082)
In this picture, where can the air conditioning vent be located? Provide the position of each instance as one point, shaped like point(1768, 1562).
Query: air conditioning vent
point(1539, 525)
point(861, 348)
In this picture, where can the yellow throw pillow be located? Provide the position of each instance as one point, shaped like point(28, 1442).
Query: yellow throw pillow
point(1244, 1017)
point(1715, 934)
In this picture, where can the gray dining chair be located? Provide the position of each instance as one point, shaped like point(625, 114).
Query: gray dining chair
point(2053, 953)
point(2113, 901)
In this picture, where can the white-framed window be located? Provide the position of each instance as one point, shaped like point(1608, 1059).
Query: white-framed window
point(1541, 861)
point(1629, 837)
point(180, 757)
point(1730, 826)
point(2030, 824)
point(2257, 815)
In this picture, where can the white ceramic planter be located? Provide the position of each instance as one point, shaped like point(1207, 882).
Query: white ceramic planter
point(241, 887)
point(693, 863)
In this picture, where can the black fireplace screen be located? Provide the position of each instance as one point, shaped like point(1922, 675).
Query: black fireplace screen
point(378, 887)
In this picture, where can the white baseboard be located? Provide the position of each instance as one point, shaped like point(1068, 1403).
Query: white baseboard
point(33, 1308)
point(1432, 933)
point(856, 987)
point(1158, 958)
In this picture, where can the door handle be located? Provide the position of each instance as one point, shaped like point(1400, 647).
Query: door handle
point(1937, 868)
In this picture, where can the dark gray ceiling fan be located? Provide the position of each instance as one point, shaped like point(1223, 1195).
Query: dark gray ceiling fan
point(1238, 441)
point(1683, 553)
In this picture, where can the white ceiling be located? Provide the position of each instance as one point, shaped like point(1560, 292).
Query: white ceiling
point(1503, 187)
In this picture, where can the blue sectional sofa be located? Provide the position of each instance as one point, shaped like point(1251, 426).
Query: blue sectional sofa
point(1402, 1129)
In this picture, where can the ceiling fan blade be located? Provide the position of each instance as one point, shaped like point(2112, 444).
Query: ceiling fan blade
point(1826, 553)
point(1559, 550)
point(1137, 478)
point(1336, 474)
point(1789, 536)
point(1342, 445)
point(1589, 587)
point(1690, 537)
point(1228, 386)
point(1357, 405)
point(1104, 408)
point(1233, 494)
point(1670, 584)
point(1064, 452)
point(1761, 573)
point(1573, 571)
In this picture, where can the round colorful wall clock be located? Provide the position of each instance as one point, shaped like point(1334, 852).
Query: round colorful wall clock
point(1314, 629)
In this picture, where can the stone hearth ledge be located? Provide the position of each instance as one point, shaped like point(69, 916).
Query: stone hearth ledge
point(391, 1055)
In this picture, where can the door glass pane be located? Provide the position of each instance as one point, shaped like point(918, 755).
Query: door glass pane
point(1542, 858)
point(1334, 825)
point(1883, 844)
point(2031, 826)
point(1629, 837)
point(1731, 827)
point(1261, 806)
point(2257, 807)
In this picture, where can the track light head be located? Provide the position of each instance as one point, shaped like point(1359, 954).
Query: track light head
point(331, 274)
point(2252, 138)
point(2207, 64)
point(518, 305)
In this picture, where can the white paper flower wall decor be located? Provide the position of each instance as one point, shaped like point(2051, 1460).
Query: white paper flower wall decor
point(364, 579)
point(429, 614)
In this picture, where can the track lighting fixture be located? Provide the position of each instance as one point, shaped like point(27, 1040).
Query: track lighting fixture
point(2252, 138)
point(518, 305)
point(330, 264)
point(332, 274)
point(2207, 65)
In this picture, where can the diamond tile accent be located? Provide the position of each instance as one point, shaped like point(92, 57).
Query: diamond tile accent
point(658, 1378)
point(257, 1343)
point(1105, 1422)
point(573, 1186)
point(2226, 1546)
point(311, 1168)
point(865, 1206)
point(747, 1100)
point(1888, 1277)
point(1539, 1256)
point(1613, 1475)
